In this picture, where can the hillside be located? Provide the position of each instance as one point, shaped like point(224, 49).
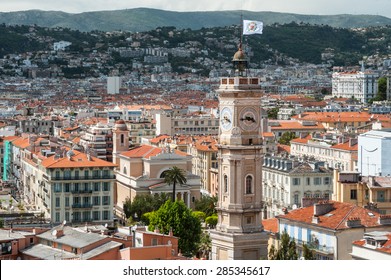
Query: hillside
point(143, 19)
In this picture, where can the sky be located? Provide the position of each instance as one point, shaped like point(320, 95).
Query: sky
point(313, 7)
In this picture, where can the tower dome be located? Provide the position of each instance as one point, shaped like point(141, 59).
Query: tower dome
point(239, 62)
point(120, 125)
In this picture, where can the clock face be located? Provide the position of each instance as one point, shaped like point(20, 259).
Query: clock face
point(226, 118)
point(248, 119)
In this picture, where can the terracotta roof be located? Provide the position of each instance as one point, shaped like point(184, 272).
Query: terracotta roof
point(21, 142)
point(147, 151)
point(77, 160)
point(336, 218)
point(270, 225)
point(267, 134)
point(283, 148)
point(292, 125)
point(159, 138)
point(345, 146)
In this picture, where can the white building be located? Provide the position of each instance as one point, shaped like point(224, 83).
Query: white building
point(286, 182)
point(113, 85)
point(374, 246)
point(61, 46)
point(374, 153)
point(359, 85)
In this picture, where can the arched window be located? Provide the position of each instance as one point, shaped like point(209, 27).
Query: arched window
point(225, 183)
point(125, 171)
point(249, 184)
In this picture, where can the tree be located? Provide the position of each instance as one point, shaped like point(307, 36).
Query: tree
point(205, 245)
point(286, 250)
point(173, 176)
point(176, 216)
point(272, 113)
point(206, 204)
point(212, 220)
point(286, 138)
point(308, 254)
point(143, 203)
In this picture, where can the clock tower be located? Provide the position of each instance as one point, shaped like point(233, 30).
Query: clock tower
point(239, 233)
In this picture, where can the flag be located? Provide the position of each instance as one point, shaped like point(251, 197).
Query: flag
point(252, 27)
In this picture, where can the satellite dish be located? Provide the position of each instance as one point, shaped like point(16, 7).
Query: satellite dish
point(9, 248)
point(106, 225)
point(64, 222)
point(54, 232)
point(294, 206)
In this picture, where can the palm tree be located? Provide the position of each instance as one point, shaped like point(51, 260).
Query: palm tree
point(173, 176)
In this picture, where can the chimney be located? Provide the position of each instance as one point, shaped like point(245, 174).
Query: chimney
point(352, 142)
point(60, 232)
point(322, 207)
point(385, 220)
point(353, 222)
point(315, 220)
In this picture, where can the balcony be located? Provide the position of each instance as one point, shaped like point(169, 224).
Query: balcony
point(80, 178)
point(316, 247)
point(81, 191)
point(81, 206)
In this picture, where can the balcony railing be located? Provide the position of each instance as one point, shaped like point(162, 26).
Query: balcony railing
point(79, 178)
point(314, 246)
point(81, 206)
point(81, 191)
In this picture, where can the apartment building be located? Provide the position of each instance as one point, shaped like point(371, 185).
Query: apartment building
point(330, 228)
point(362, 85)
point(76, 187)
point(372, 192)
point(98, 140)
point(287, 181)
point(341, 155)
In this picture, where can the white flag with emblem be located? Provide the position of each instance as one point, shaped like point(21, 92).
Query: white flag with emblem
point(252, 27)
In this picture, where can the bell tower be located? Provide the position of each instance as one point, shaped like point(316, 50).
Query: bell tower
point(120, 139)
point(239, 231)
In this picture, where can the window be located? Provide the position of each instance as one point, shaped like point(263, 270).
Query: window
point(249, 220)
point(308, 179)
point(353, 194)
point(106, 174)
point(76, 187)
point(122, 140)
point(106, 200)
point(96, 215)
point(249, 184)
point(96, 187)
point(326, 195)
point(106, 186)
point(125, 171)
point(57, 175)
point(296, 181)
point(66, 201)
point(380, 196)
point(225, 183)
point(326, 180)
point(86, 174)
point(106, 215)
point(77, 174)
point(154, 242)
point(67, 187)
point(57, 202)
point(296, 198)
point(67, 174)
point(57, 187)
point(95, 174)
point(317, 180)
point(66, 216)
point(96, 200)
point(57, 217)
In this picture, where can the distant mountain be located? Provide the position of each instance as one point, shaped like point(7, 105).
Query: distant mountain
point(144, 19)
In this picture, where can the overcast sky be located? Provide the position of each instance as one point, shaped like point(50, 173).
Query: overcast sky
point(317, 7)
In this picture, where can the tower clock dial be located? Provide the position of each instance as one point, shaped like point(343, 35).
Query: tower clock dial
point(226, 118)
point(248, 119)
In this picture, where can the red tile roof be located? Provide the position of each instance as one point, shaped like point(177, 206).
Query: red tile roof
point(336, 218)
point(77, 160)
point(147, 151)
point(270, 225)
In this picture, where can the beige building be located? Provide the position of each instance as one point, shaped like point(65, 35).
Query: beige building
point(141, 171)
point(99, 140)
point(373, 192)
